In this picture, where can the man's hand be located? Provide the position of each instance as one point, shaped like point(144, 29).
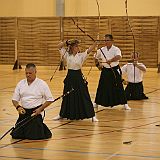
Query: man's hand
point(20, 110)
point(124, 82)
point(109, 62)
point(37, 111)
point(135, 63)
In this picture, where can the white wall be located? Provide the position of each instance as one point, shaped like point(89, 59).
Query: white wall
point(33, 8)
point(27, 8)
point(112, 7)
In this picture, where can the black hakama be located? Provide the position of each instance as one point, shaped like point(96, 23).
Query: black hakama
point(134, 91)
point(77, 105)
point(110, 91)
point(34, 129)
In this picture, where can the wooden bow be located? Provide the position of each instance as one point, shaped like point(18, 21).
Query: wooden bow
point(28, 119)
point(134, 41)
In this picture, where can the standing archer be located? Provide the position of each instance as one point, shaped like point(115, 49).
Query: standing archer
point(110, 91)
point(78, 104)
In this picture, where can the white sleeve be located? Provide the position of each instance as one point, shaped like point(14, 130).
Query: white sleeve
point(47, 93)
point(97, 55)
point(124, 69)
point(84, 55)
point(16, 95)
point(141, 64)
point(118, 52)
point(62, 52)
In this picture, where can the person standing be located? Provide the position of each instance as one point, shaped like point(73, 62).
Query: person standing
point(110, 91)
point(31, 96)
point(77, 105)
point(134, 71)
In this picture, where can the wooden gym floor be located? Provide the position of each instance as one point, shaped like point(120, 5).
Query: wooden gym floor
point(119, 134)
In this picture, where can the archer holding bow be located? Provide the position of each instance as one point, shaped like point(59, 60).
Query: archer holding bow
point(134, 71)
point(78, 104)
point(110, 91)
